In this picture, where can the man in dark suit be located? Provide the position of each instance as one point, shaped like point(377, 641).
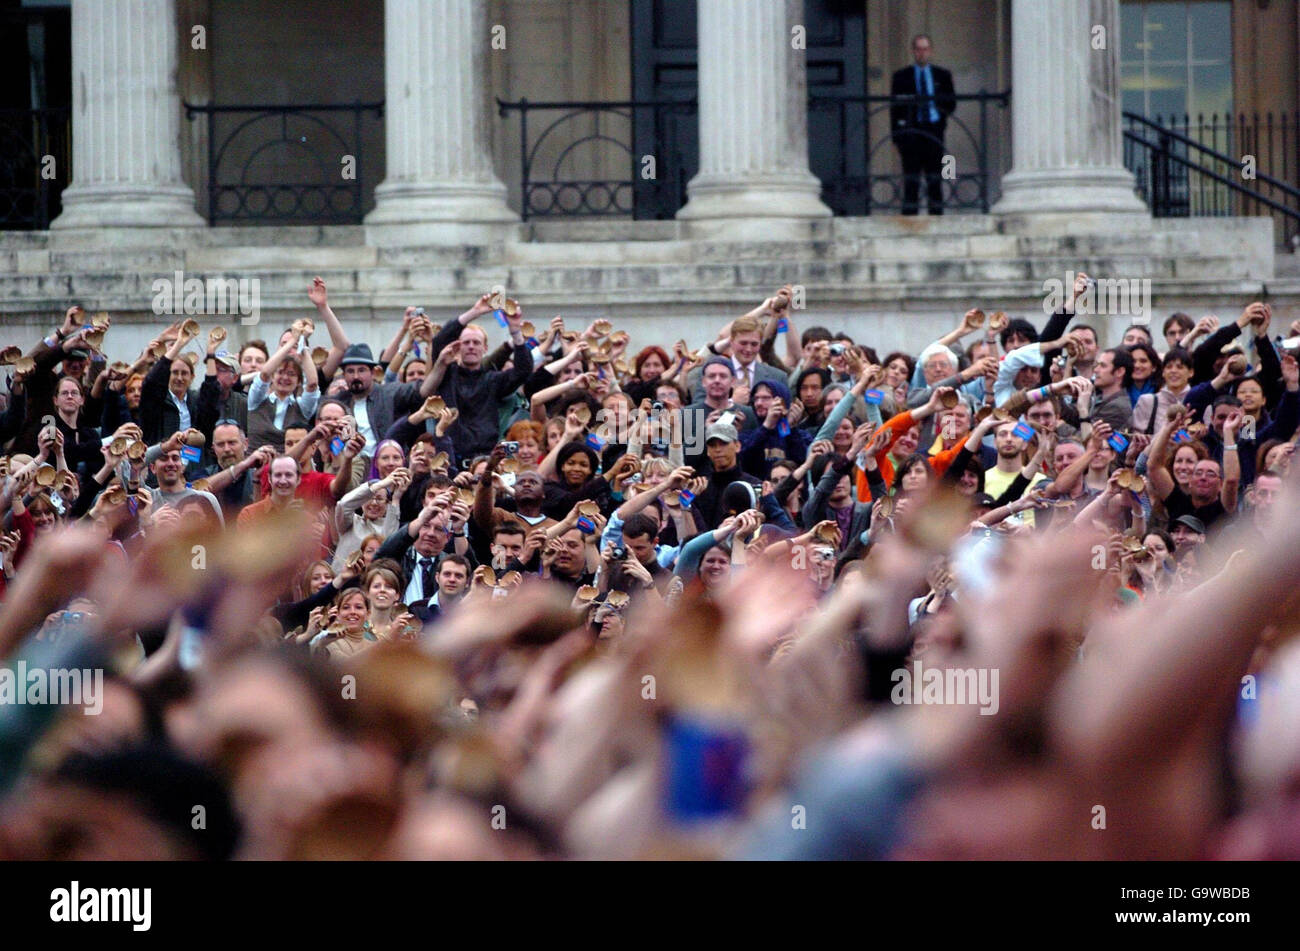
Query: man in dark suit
point(918, 125)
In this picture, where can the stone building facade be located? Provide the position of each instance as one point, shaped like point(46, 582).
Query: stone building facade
point(441, 211)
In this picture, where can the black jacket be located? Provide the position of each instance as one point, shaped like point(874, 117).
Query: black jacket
point(400, 547)
point(477, 394)
point(903, 115)
point(709, 502)
point(212, 408)
point(158, 415)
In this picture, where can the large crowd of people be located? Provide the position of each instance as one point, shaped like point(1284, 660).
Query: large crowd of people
point(507, 590)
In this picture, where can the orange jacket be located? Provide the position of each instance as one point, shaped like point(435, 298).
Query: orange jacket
point(897, 425)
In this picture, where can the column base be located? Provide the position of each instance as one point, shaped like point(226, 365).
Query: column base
point(420, 214)
point(758, 208)
point(1108, 190)
point(126, 208)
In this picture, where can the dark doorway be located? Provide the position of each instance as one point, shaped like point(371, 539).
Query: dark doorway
point(837, 129)
point(664, 57)
point(35, 104)
point(664, 41)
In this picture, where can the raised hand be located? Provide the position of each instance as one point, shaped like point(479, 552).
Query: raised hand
point(1290, 372)
point(481, 306)
point(449, 354)
point(317, 293)
point(821, 447)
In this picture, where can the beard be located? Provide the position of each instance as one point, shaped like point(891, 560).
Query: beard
point(356, 387)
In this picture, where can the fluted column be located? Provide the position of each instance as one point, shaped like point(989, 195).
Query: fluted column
point(126, 159)
point(1067, 143)
point(439, 182)
point(753, 117)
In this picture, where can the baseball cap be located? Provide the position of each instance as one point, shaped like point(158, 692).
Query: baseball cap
point(982, 500)
point(1192, 522)
point(227, 359)
point(724, 431)
point(77, 354)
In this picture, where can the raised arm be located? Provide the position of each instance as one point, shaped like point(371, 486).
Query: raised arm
point(1132, 696)
point(338, 339)
point(1231, 462)
point(1159, 456)
point(572, 429)
point(537, 405)
point(267, 373)
point(391, 353)
point(641, 501)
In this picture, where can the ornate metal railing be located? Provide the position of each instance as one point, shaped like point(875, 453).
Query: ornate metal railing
point(35, 165)
point(859, 185)
point(286, 164)
point(1218, 166)
point(604, 159)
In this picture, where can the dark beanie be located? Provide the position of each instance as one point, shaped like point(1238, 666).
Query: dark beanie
point(779, 389)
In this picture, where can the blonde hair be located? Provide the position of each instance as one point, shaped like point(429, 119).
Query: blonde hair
point(657, 466)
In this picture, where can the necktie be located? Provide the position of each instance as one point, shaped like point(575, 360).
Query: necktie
point(925, 87)
point(427, 584)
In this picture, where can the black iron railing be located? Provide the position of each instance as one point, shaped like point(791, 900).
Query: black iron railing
point(861, 186)
point(286, 164)
point(1219, 166)
point(35, 165)
point(634, 159)
point(604, 159)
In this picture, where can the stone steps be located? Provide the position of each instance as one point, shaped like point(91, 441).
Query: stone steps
point(870, 271)
point(360, 270)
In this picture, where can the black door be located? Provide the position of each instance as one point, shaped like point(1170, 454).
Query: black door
point(837, 129)
point(664, 56)
point(35, 103)
point(663, 70)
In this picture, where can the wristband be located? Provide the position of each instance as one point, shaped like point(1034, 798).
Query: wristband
point(52, 341)
point(1232, 448)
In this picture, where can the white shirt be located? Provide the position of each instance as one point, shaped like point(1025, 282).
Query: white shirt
point(260, 392)
point(744, 372)
point(361, 413)
point(183, 408)
point(415, 589)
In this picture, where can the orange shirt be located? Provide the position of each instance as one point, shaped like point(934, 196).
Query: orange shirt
point(896, 425)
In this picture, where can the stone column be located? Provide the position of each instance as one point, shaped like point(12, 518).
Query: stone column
point(753, 122)
point(126, 160)
point(1067, 143)
point(439, 185)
